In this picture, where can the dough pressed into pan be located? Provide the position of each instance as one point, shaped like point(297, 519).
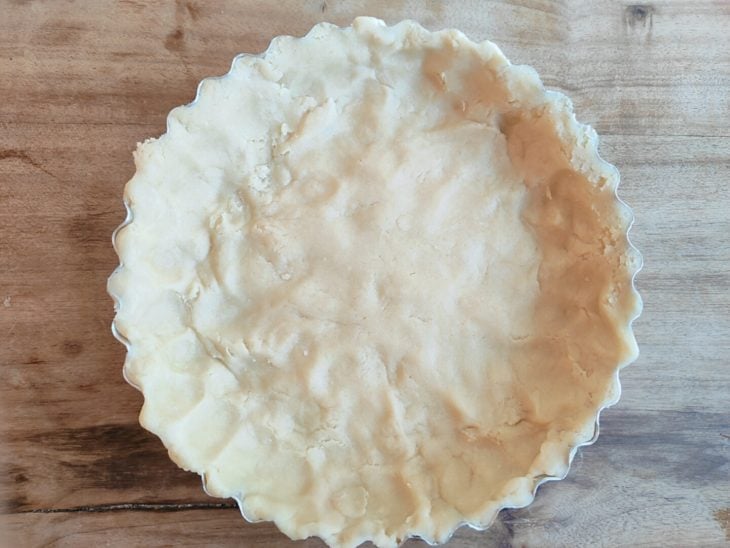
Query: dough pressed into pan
point(376, 283)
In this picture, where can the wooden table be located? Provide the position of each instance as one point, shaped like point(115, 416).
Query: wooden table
point(81, 83)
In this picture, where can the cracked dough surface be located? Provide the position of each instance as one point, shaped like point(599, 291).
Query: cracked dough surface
point(377, 283)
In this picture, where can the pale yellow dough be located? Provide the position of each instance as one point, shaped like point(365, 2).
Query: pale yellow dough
point(377, 283)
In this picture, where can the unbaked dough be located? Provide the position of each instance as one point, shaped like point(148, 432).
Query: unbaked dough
point(376, 284)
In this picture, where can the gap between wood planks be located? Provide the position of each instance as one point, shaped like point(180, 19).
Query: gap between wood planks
point(136, 507)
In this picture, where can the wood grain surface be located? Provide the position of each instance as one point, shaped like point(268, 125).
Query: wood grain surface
point(82, 82)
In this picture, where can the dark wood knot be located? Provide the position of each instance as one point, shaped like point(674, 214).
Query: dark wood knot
point(639, 15)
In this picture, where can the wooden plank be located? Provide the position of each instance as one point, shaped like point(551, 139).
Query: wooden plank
point(140, 528)
point(63, 430)
point(627, 489)
point(82, 84)
point(663, 70)
point(582, 511)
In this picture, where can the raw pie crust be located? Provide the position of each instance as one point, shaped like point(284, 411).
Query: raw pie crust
point(377, 284)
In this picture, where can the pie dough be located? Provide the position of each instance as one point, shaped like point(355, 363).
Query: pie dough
point(375, 283)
